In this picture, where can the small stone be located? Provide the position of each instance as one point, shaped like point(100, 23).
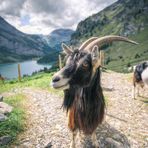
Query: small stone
point(112, 143)
point(117, 137)
point(1, 98)
point(5, 108)
point(49, 145)
point(2, 117)
point(5, 140)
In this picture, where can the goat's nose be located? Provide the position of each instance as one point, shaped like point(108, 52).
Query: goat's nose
point(56, 79)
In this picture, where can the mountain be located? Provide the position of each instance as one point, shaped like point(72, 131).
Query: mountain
point(55, 39)
point(58, 36)
point(17, 46)
point(126, 18)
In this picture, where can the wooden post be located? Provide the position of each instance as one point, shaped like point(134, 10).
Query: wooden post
point(60, 62)
point(2, 79)
point(19, 72)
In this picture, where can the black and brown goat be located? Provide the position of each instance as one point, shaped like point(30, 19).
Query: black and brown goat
point(80, 80)
point(140, 77)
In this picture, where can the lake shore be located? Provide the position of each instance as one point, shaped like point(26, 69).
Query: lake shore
point(10, 71)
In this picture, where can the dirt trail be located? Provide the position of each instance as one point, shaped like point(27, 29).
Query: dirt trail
point(125, 125)
point(125, 114)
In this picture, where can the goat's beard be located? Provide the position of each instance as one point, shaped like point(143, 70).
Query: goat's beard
point(64, 87)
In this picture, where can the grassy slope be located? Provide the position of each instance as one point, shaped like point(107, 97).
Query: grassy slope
point(131, 54)
point(16, 119)
point(126, 50)
point(40, 80)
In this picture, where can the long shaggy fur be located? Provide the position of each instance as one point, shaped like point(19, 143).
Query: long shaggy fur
point(87, 103)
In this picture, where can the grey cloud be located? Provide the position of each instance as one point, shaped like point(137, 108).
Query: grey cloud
point(50, 22)
point(9, 7)
point(54, 7)
point(57, 13)
point(52, 13)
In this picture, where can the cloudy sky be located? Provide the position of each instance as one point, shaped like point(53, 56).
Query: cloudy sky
point(43, 16)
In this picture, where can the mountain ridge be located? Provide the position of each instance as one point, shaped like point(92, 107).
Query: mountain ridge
point(17, 46)
point(125, 18)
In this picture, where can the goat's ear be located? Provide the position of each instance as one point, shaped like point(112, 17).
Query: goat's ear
point(95, 53)
point(66, 49)
point(96, 61)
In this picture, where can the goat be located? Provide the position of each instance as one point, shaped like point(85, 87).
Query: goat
point(80, 80)
point(140, 77)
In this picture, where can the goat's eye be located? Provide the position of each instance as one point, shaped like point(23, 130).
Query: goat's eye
point(85, 65)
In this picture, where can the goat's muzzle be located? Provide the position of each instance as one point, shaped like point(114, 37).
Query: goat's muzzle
point(58, 82)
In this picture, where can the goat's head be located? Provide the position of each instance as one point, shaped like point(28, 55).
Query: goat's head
point(81, 64)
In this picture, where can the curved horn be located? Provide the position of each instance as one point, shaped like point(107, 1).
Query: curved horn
point(87, 42)
point(108, 39)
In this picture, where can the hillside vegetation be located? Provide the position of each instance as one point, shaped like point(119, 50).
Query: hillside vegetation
point(126, 18)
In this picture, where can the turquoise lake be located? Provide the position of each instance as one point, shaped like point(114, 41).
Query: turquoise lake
point(10, 70)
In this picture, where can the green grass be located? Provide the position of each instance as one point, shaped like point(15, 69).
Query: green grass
point(128, 52)
point(16, 119)
point(41, 80)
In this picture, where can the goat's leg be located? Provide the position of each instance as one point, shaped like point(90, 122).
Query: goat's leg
point(138, 87)
point(133, 92)
point(134, 87)
point(94, 140)
point(72, 145)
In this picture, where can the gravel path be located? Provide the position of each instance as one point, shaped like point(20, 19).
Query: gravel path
point(125, 114)
point(125, 125)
